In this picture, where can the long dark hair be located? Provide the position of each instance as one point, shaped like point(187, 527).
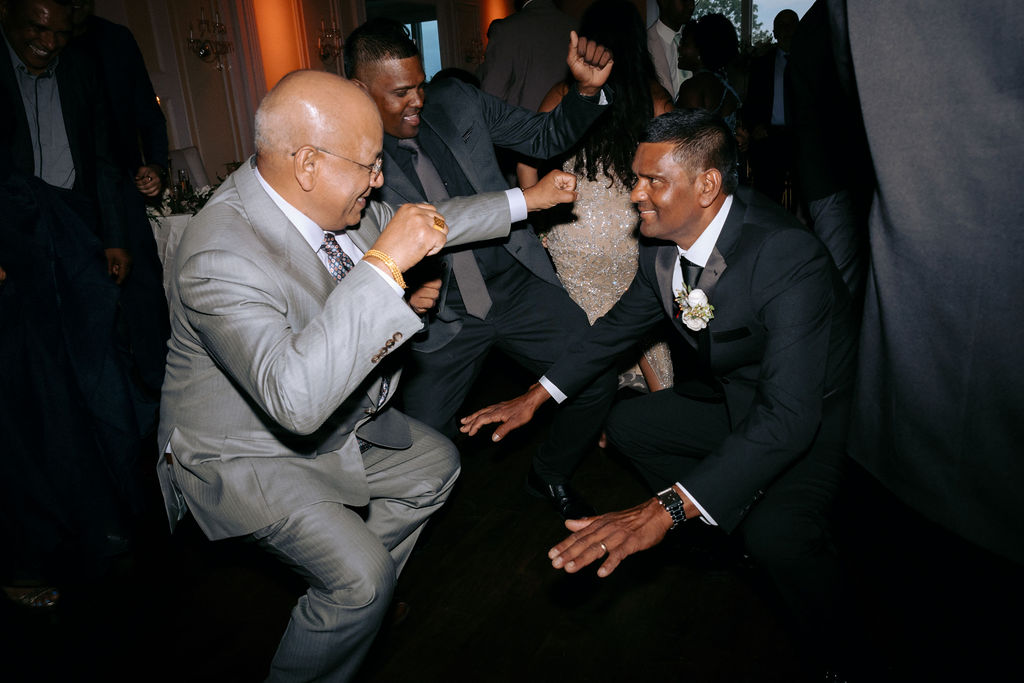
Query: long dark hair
point(612, 139)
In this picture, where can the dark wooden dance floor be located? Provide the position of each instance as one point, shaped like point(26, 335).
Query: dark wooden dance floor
point(485, 605)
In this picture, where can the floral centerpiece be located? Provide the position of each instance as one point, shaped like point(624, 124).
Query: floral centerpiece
point(177, 200)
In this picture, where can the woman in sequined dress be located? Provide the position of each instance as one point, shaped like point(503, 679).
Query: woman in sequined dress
point(593, 243)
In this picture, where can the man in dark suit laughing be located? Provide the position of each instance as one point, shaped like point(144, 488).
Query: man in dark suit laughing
point(751, 437)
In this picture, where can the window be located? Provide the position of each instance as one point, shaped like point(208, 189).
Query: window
point(763, 14)
point(425, 35)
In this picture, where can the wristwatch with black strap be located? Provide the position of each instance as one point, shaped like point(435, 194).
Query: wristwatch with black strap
point(671, 501)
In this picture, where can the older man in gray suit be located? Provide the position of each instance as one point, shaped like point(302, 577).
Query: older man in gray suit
point(286, 306)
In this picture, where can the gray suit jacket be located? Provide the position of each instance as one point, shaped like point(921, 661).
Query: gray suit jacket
point(273, 367)
point(526, 54)
point(471, 124)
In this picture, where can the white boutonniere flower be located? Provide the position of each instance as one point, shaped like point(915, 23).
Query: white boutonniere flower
point(694, 309)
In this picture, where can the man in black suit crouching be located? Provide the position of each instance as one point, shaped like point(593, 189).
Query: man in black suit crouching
point(751, 438)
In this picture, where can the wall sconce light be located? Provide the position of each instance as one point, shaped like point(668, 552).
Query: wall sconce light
point(329, 42)
point(211, 45)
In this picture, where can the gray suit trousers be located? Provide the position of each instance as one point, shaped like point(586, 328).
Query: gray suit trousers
point(352, 563)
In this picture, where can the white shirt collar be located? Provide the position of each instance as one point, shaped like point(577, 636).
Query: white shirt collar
point(664, 32)
point(700, 251)
point(309, 230)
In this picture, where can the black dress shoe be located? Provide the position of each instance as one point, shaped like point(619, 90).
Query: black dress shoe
point(570, 505)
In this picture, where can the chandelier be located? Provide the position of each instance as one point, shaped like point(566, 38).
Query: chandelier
point(329, 42)
point(211, 44)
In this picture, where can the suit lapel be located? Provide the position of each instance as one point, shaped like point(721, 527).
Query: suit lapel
point(399, 183)
point(664, 268)
point(274, 228)
point(716, 265)
point(446, 131)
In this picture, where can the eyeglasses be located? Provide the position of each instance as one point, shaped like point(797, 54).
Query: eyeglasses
point(373, 170)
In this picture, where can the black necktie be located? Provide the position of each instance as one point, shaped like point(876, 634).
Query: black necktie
point(691, 272)
point(464, 265)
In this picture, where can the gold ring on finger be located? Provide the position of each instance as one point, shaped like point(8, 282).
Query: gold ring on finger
point(604, 547)
point(439, 224)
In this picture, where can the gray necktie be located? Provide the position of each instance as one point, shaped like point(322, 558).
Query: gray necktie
point(464, 265)
point(691, 272)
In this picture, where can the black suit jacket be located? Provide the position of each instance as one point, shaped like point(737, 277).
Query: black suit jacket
point(86, 121)
point(471, 123)
point(138, 123)
point(779, 349)
point(757, 106)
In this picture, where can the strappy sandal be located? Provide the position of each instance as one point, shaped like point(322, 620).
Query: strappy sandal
point(33, 597)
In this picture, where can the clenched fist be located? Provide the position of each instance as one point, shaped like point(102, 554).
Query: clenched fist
point(415, 231)
point(557, 187)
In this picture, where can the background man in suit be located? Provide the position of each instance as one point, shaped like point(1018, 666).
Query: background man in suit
point(138, 136)
point(65, 141)
point(525, 53)
point(286, 307)
point(765, 114)
point(71, 438)
point(752, 439)
point(504, 293)
point(663, 42)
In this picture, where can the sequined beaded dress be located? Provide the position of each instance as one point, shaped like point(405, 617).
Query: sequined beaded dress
point(595, 254)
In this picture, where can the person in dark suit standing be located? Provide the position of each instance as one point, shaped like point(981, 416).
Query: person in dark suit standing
point(525, 53)
point(66, 140)
point(751, 438)
point(70, 437)
point(503, 293)
point(765, 115)
point(139, 147)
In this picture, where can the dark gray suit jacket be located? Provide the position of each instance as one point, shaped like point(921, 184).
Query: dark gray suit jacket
point(937, 416)
point(526, 54)
point(86, 121)
point(471, 124)
point(781, 343)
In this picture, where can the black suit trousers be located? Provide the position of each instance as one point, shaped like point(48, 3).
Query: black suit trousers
point(788, 531)
point(531, 321)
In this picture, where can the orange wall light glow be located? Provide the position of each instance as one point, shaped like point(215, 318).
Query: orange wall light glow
point(278, 28)
point(493, 9)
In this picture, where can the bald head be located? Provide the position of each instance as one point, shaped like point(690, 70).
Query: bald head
point(311, 107)
point(314, 130)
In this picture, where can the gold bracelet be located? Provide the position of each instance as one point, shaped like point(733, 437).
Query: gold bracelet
point(396, 272)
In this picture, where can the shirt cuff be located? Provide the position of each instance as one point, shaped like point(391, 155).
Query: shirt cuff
point(600, 97)
point(388, 279)
point(555, 392)
point(704, 516)
point(516, 204)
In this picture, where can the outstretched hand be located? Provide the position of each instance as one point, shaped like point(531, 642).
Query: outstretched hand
point(557, 187)
point(511, 414)
point(590, 64)
point(615, 534)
